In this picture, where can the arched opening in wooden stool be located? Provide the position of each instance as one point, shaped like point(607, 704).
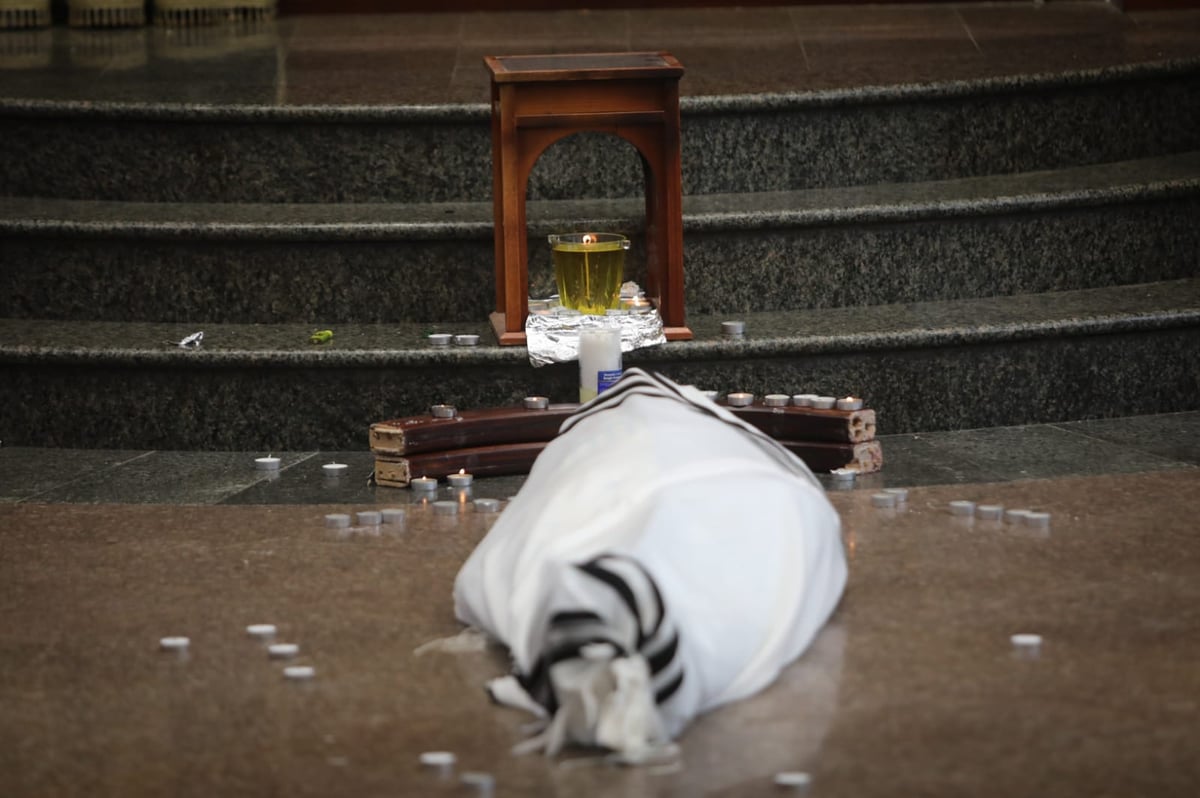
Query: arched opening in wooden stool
point(539, 100)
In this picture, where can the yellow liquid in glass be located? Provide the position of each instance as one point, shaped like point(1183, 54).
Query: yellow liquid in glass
point(589, 275)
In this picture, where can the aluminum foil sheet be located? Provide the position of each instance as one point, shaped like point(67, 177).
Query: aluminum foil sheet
point(552, 335)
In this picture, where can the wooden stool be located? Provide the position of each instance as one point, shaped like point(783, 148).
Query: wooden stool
point(539, 99)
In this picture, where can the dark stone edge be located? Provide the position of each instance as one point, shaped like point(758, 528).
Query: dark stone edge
point(698, 104)
point(698, 350)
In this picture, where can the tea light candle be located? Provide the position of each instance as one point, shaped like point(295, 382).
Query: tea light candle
point(174, 643)
point(711, 396)
point(733, 328)
point(1037, 519)
point(1015, 516)
point(261, 630)
point(487, 505)
point(989, 512)
point(637, 304)
point(440, 339)
point(460, 480)
point(849, 403)
point(443, 411)
point(337, 520)
point(962, 508)
point(270, 463)
point(423, 483)
point(776, 400)
point(445, 508)
point(466, 340)
point(901, 494)
point(883, 500)
point(843, 474)
point(369, 518)
point(283, 650)
point(334, 469)
point(1026, 640)
point(536, 402)
point(299, 672)
point(824, 402)
point(739, 399)
point(804, 399)
point(392, 515)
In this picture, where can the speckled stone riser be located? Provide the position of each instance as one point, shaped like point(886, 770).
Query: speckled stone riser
point(784, 145)
point(1043, 380)
point(726, 270)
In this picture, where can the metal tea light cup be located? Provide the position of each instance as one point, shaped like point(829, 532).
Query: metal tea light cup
point(589, 269)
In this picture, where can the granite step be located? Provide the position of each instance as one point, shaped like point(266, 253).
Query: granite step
point(1083, 227)
point(958, 364)
point(917, 132)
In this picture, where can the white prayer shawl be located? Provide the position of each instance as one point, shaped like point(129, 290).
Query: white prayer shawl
point(662, 558)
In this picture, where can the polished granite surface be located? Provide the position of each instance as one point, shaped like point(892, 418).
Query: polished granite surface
point(1114, 446)
point(413, 60)
point(913, 688)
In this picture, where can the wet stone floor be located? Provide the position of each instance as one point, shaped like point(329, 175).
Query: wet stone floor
point(914, 688)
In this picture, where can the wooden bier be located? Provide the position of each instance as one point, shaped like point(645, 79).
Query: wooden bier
point(494, 426)
point(518, 458)
point(480, 461)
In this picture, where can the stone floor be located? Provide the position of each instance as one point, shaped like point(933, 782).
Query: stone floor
point(913, 689)
point(414, 59)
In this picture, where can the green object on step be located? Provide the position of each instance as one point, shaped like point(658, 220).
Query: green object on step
point(321, 336)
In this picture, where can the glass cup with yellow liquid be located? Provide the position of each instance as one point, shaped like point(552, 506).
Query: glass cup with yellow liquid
point(588, 268)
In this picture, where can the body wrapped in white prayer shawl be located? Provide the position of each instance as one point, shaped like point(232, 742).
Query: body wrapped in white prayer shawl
point(662, 558)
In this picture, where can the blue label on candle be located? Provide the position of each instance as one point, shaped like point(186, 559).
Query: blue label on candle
point(606, 379)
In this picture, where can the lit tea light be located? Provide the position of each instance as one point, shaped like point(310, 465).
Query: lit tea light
point(537, 402)
point(460, 480)
point(637, 304)
point(739, 399)
point(423, 483)
point(443, 411)
point(849, 403)
point(334, 469)
point(270, 463)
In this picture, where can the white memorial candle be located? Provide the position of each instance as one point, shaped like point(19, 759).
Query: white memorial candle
point(460, 480)
point(423, 483)
point(599, 360)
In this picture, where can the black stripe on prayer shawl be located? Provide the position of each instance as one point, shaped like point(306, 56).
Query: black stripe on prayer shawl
point(568, 646)
point(660, 656)
point(664, 693)
point(636, 382)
